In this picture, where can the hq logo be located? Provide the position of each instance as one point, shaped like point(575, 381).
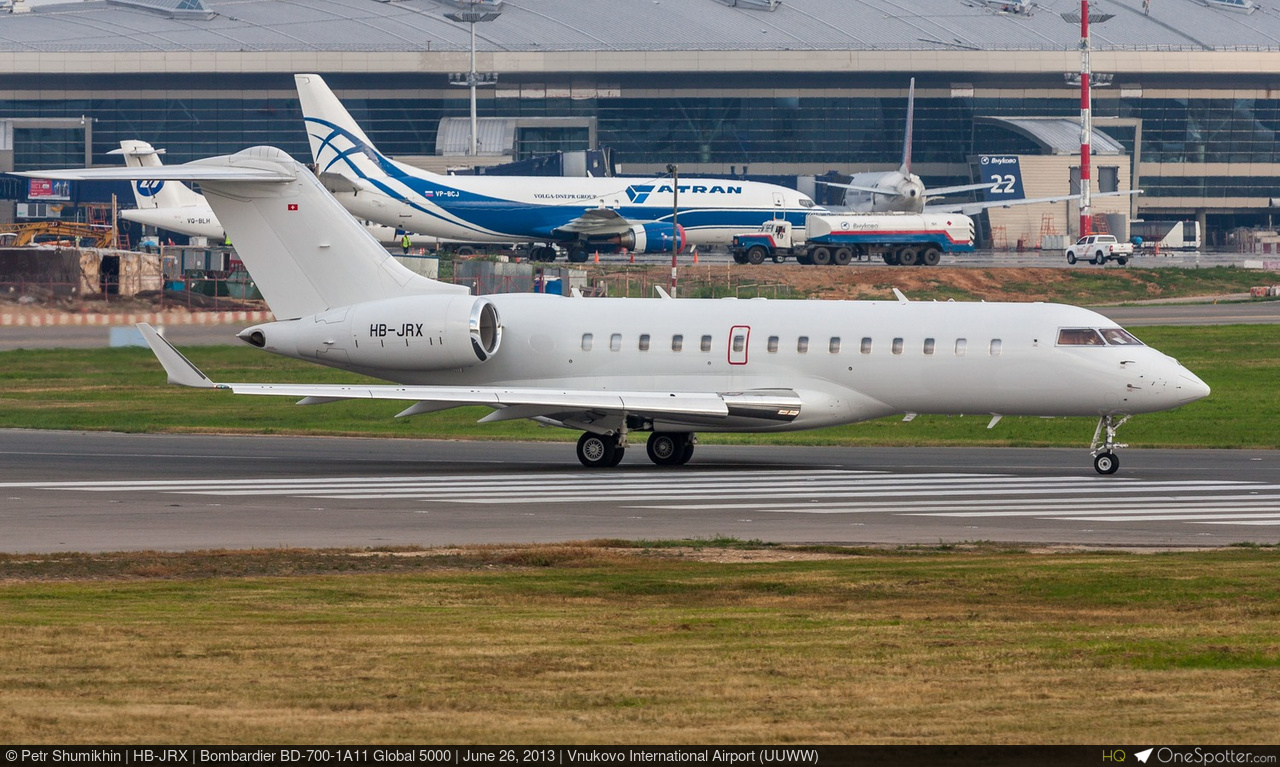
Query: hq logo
point(639, 194)
point(149, 188)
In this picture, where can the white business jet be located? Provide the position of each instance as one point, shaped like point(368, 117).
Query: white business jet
point(578, 214)
point(614, 367)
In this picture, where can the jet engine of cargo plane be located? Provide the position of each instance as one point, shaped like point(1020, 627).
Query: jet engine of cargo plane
point(651, 238)
point(429, 332)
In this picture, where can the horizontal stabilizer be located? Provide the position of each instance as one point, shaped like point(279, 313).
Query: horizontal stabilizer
point(194, 171)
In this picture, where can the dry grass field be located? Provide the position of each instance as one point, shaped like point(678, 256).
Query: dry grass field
point(610, 642)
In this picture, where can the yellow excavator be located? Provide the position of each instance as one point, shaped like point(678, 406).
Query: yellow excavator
point(57, 232)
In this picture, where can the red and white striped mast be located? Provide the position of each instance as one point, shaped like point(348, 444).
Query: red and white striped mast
point(1086, 119)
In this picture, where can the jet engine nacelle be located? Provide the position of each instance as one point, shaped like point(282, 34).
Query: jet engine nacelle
point(407, 333)
point(651, 238)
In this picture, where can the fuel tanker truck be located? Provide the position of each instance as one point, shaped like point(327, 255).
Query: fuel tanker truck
point(901, 239)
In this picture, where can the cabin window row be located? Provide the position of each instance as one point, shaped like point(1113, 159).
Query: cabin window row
point(739, 344)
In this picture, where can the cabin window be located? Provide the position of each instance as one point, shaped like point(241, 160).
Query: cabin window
point(897, 346)
point(644, 342)
point(834, 345)
point(586, 342)
point(929, 345)
point(802, 345)
point(962, 346)
point(706, 343)
point(1080, 337)
point(866, 346)
point(739, 343)
point(615, 342)
point(677, 343)
point(1120, 337)
point(995, 347)
point(773, 344)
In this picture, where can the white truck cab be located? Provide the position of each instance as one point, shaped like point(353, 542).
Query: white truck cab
point(1099, 249)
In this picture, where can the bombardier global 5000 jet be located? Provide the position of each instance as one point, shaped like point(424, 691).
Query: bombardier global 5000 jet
point(616, 367)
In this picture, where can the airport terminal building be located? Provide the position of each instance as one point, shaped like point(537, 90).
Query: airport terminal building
point(1187, 106)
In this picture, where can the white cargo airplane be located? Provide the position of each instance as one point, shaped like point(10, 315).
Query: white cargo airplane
point(172, 206)
point(903, 191)
point(612, 367)
point(579, 214)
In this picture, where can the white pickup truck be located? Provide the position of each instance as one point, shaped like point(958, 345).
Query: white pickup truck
point(1099, 249)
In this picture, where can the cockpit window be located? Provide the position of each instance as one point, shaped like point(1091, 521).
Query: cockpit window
point(1120, 337)
point(1080, 337)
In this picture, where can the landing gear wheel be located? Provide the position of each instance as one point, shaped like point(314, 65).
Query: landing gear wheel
point(842, 256)
point(577, 254)
point(1105, 460)
point(666, 448)
point(687, 453)
point(545, 253)
point(597, 451)
point(820, 256)
point(756, 254)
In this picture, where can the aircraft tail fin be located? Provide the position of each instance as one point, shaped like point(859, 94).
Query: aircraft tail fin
point(911, 120)
point(154, 193)
point(305, 252)
point(338, 145)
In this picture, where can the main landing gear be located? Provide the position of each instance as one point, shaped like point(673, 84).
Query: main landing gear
point(603, 451)
point(1105, 460)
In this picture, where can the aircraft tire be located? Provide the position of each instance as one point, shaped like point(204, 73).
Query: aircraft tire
point(908, 257)
point(597, 451)
point(930, 257)
point(842, 256)
point(820, 256)
point(1106, 463)
point(577, 254)
point(687, 453)
point(756, 254)
point(665, 448)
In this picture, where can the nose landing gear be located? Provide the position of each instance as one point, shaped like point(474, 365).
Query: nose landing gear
point(1105, 460)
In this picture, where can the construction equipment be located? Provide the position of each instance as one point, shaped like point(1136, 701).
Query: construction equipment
point(70, 233)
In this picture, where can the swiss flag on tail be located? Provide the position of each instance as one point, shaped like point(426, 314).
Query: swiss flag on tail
point(293, 206)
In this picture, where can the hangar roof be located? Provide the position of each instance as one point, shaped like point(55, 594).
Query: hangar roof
point(630, 25)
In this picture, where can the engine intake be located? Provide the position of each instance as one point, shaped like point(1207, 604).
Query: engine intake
point(652, 238)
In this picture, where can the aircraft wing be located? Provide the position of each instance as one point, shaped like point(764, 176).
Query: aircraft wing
point(873, 189)
point(195, 171)
point(578, 405)
point(943, 191)
point(974, 207)
point(594, 222)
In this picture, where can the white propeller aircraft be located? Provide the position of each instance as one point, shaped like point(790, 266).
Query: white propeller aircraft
point(579, 214)
point(615, 367)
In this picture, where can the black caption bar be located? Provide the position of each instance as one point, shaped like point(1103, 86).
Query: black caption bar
point(595, 756)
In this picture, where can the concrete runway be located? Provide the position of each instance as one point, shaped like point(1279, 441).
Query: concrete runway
point(66, 491)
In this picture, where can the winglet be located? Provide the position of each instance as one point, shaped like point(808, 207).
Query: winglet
point(179, 368)
point(661, 293)
point(901, 298)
